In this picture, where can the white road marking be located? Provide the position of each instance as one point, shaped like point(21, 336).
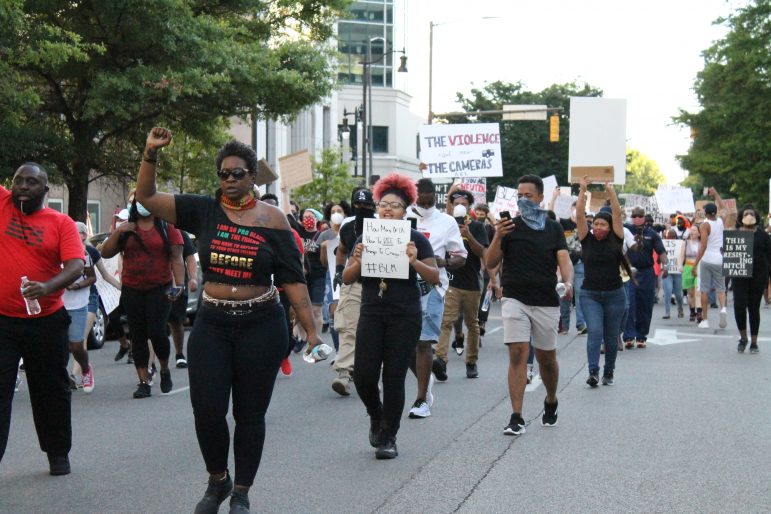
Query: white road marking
point(664, 337)
point(492, 331)
point(175, 391)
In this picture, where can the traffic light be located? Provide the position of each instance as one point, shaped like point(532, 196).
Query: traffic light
point(554, 128)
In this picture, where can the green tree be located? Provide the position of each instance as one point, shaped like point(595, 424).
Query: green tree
point(525, 145)
point(332, 181)
point(731, 149)
point(643, 175)
point(83, 82)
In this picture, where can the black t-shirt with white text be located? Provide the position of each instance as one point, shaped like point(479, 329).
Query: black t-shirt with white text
point(530, 263)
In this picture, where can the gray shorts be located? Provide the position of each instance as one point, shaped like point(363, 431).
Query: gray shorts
point(711, 275)
point(523, 323)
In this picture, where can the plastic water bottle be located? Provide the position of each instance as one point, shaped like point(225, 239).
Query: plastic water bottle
point(561, 289)
point(319, 353)
point(486, 301)
point(33, 306)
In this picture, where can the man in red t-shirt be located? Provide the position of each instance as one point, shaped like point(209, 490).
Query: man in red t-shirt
point(42, 245)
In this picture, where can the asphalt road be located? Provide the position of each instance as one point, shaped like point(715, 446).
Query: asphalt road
point(685, 429)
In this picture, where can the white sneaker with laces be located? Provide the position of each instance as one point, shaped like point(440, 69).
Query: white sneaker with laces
point(420, 410)
point(704, 324)
point(723, 318)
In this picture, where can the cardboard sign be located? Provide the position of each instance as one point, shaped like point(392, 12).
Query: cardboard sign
point(295, 169)
point(331, 246)
point(265, 174)
point(738, 253)
point(505, 200)
point(675, 254)
point(673, 199)
point(385, 248)
point(597, 200)
point(597, 139)
point(594, 174)
point(463, 150)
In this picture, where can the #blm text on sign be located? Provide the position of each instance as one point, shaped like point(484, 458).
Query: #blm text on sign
point(738, 253)
point(385, 248)
point(674, 248)
point(462, 150)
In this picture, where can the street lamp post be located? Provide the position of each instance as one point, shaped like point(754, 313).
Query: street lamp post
point(366, 110)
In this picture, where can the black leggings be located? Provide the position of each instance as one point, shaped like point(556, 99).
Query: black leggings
point(388, 341)
point(748, 293)
point(243, 353)
point(147, 313)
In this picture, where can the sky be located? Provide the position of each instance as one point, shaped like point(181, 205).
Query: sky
point(645, 52)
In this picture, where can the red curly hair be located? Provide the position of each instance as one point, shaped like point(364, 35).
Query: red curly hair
point(402, 185)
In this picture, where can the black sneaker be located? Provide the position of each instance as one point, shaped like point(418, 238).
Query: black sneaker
point(130, 359)
point(166, 381)
point(742, 345)
point(239, 503)
point(458, 344)
point(324, 328)
point(583, 330)
point(58, 465)
point(481, 329)
point(215, 494)
point(181, 361)
point(549, 418)
point(143, 390)
point(439, 367)
point(471, 370)
point(387, 449)
point(516, 425)
point(607, 378)
point(594, 379)
point(122, 351)
point(754, 348)
point(374, 432)
point(299, 344)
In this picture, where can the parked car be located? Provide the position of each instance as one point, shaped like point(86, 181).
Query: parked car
point(102, 331)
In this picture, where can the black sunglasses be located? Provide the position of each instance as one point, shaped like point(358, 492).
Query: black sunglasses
point(236, 173)
point(638, 215)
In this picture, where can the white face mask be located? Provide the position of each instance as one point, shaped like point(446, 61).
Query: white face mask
point(337, 218)
point(423, 212)
point(749, 220)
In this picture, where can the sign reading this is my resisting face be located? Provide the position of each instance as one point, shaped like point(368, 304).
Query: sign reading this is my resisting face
point(385, 248)
point(468, 150)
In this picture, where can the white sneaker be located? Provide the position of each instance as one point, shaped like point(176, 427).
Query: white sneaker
point(429, 391)
point(704, 324)
point(723, 318)
point(420, 410)
point(530, 373)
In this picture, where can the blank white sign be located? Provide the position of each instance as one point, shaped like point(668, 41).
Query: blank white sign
point(598, 134)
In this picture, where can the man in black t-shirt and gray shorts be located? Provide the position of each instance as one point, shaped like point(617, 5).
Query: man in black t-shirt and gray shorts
point(532, 247)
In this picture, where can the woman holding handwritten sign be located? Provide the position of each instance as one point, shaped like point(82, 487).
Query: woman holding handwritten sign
point(390, 321)
point(749, 291)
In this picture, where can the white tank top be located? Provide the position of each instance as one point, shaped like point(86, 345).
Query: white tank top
point(712, 254)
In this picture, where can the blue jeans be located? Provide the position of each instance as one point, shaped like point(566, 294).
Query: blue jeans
point(578, 280)
point(638, 322)
point(673, 284)
point(604, 311)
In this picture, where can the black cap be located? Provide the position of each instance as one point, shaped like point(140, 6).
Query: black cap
point(362, 196)
point(710, 209)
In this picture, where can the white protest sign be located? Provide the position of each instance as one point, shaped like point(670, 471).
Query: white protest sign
point(477, 186)
point(109, 295)
point(505, 200)
point(674, 248)
point(463, 150)
point(563, 206)
point(549, 185)
point(331, 262)
point(671, 200)
point(385, 248)
point(598, 136)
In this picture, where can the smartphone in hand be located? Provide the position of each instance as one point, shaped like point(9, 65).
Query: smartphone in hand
point(173, 291)
point(505, 215)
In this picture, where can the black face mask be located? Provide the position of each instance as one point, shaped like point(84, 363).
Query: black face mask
point(361, 213)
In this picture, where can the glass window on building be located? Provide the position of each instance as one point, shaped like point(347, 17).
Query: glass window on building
point(56, 204)
point(379, 139)
point(370, 20)
point(94, 213)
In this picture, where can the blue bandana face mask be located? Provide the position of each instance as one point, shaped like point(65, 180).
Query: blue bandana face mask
point(533, 216)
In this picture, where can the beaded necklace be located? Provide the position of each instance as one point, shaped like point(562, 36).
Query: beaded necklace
point(240, 206)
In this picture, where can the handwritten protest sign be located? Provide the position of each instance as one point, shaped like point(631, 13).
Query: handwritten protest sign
point(674, 248)
point(331, 246)
point(675, 199)
point(549, 185)
point(109, 295)
point(648, 204)
point(477, 186)
point(505, 200)
point(563, 206)
point(441, 187)
point(738, 253)
point(295, 169)
point(385, 248)
point(462, 150)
